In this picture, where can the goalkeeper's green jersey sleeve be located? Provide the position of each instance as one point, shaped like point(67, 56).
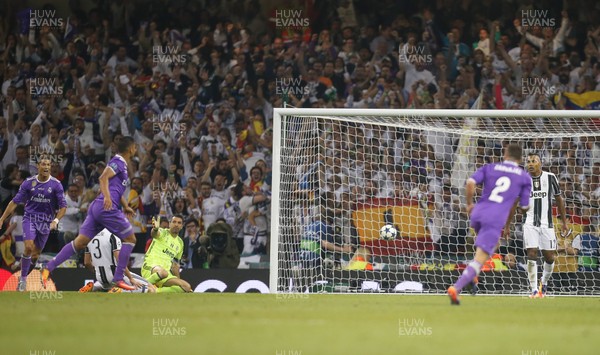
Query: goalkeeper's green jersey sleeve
point(163, 250)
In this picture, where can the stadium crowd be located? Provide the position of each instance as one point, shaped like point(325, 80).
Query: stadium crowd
point(195, 83)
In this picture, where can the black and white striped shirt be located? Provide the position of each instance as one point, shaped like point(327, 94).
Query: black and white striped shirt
point(543, 189)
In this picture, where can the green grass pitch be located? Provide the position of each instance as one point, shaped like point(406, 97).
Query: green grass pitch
point(72, 323)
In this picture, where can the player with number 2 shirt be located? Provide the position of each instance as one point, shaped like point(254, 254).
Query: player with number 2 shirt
point(504, 184)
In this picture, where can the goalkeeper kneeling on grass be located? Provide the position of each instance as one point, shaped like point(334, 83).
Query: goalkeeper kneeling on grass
point(161, 263)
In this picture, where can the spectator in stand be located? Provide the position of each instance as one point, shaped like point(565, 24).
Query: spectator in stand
point(192, 252)
point(76, 210)
point(587, 247)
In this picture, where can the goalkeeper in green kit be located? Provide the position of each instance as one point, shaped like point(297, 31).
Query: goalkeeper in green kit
point(161, 263)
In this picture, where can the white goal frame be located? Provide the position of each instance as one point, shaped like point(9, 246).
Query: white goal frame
point(332, 113)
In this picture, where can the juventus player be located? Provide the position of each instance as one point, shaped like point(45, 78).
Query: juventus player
point(538, 230)
point(101, 255)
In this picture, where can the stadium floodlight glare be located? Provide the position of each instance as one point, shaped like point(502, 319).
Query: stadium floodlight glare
point(342, 174)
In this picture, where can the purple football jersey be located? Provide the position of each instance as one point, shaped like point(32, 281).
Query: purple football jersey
point(118, 183)
point(41, 199)
point(502, 183)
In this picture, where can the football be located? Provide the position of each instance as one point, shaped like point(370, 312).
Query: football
point(388, 232)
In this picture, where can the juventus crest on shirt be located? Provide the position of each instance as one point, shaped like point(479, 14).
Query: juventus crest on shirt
point(543, 189)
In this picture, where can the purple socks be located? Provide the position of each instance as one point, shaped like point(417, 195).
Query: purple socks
point(468, 275)
point(124, 254)
point(65, 253)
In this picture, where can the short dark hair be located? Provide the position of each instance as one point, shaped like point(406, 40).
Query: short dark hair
point(534, 154)
point(125, 144)
point(514, 151)
point(43, 157)
point(192, 220)
point(178, 216)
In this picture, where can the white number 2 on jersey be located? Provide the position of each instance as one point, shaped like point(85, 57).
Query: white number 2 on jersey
point(502, 184)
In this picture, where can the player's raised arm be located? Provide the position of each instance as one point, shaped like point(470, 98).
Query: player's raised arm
point(106, 175)
point(155, 225)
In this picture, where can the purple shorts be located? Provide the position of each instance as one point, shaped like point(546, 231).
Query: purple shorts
point(36, 231)
point(488, 231)
point(97, 219)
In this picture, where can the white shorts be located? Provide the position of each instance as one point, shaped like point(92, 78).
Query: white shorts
point(542, 238)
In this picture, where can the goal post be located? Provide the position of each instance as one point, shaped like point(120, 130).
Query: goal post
point(340, 175)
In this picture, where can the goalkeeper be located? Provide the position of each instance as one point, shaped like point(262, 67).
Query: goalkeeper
point(161, 263)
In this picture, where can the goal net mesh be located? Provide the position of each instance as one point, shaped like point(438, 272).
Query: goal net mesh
point(342, 178)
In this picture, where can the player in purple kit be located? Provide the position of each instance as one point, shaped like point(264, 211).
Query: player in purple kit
point(104, 212)
point(504, 184)
point(45, 205)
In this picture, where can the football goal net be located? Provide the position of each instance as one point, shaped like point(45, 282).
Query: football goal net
point(369, 200)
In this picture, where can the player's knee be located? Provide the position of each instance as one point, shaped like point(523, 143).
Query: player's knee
point(532, 254)
point(162, 273)
point(80, 243)
point(29, 249)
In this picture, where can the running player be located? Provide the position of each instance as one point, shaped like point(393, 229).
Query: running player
point(103, 213)
point(503, 183)
point(45, 205)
